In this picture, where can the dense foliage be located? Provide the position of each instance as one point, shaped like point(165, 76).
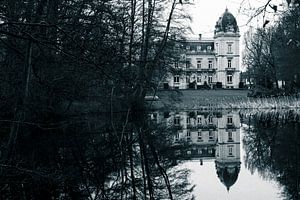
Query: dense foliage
point(74, 74)
point(272, 54)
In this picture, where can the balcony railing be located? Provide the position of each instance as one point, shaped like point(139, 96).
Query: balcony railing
point(230, 126)
point(200, 52)
point(230, 69)
point(202, 126)
point(200, 69)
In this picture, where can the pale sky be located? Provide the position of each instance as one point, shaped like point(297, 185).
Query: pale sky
point(205, 13)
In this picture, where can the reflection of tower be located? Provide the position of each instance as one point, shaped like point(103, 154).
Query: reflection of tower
point(228, 150)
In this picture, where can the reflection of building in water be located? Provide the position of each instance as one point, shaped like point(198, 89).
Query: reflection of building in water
point(208, 135)
point(228, 150)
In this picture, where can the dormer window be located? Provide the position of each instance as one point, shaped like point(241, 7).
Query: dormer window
point(177, 121)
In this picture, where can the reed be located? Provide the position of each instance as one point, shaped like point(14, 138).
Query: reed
point(275, 103)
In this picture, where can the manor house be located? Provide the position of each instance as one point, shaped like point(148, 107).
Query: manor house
point(209, 63)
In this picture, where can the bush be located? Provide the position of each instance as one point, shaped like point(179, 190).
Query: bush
point(241, 85)
point(219, 85)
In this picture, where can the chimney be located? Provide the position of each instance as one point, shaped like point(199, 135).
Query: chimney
point(200, 36)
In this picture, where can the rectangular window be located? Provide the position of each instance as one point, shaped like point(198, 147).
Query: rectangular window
point(199, 120)
point(199, 79)
point(199, 135)
point(230, 151)
point(188, 135)
point(199, 64)
point(229, 61)
point(229, 120)
point(230, 136)
point(209, 79)
point(229, 48)
point(229, 78)
point(211, 135)
point(217, 48)
point(210, 64)
point(188, 64)
point(177, 121)
point(176, 65)
point(188, 120)
point(199, 151)
point(176, 79)
point(210, 119)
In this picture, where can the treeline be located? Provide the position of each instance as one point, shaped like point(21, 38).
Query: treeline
point(271, 147)
point(74, 74)
point(272, 54)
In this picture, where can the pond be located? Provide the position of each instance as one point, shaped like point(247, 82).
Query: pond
point(179, 154)
point(238, 154)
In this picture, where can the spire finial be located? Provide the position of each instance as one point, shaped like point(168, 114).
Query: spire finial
point(226, 10)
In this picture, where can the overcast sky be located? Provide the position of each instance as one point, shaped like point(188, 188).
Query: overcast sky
point(205, 13)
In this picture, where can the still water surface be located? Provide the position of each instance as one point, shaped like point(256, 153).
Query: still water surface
point(186, 154)
point(248, 186)
point(234, 155)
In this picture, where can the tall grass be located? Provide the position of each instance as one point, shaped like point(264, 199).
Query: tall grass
point(230, 100)
point(286, 102)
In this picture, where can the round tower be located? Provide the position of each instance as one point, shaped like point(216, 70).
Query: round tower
point(226, 39)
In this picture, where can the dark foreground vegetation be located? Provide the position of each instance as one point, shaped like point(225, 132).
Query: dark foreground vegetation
point(272, 54)
point(73, 79)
